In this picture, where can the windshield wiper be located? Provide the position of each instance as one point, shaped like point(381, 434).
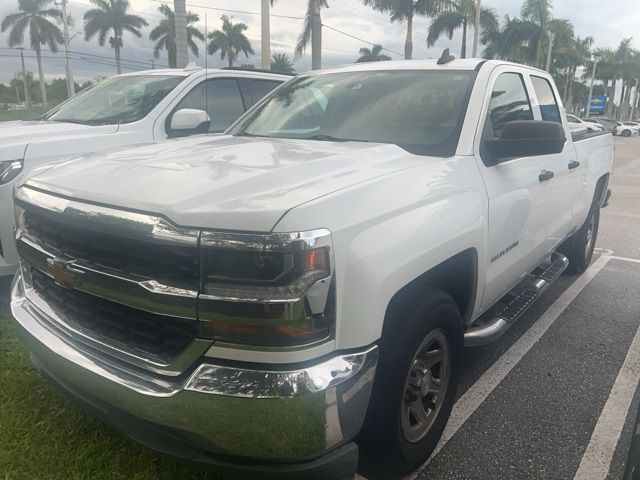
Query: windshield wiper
point(247, 134)
point(329, 138)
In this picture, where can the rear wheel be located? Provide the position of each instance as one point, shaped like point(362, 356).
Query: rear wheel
point(416, 380)
point(579, 248)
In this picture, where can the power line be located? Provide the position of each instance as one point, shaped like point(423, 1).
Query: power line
point(234, 11)
point(110, 58)
point(360, 39)
point(88, 60)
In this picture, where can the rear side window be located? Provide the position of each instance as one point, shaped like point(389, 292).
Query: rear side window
point(259, 88)
point(509, 102)
point(546, 99)
point(220, 97)
point(572, 119)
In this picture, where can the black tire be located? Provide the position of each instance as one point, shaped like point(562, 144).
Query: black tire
point(626, 133)
point(420, 315)
point(579, 248)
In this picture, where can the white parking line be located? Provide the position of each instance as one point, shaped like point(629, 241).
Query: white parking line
point(596, 460)
point(479, 391)
point(625, 259)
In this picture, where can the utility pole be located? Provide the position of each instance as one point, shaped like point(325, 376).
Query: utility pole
point(27, 97)
point(476, 30)
point(265, 43)
point(551, 39)
point(593, 78)
point(180, 15)
point(71, 89)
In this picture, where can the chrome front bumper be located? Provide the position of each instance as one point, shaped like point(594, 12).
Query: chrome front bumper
point(264, 415)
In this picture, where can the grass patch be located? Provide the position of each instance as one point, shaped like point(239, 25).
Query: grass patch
point(43, 436)
point(26, 114)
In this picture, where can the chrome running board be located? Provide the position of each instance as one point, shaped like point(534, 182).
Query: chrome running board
point(512, 306)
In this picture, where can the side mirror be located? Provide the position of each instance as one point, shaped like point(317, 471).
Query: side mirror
point(526, 138)
point(189, 121)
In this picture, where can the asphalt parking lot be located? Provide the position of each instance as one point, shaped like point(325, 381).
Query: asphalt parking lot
point(556, 397)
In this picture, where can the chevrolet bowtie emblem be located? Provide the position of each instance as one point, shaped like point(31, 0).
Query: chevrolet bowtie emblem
point(62, 272)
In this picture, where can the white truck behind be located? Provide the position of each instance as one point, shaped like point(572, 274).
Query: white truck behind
point(293, 298)
point(124, 110)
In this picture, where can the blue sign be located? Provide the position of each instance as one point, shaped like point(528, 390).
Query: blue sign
point(598, 104)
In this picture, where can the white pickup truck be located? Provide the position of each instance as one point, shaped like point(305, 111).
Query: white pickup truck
point(134, 108)
point(292, 299)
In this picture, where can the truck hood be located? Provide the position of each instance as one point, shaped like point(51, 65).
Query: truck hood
point(16, 136)
point(27, 131)
point(229, 183)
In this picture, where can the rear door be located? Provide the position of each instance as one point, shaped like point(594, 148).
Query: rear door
point(519, 201)
point(565, 166)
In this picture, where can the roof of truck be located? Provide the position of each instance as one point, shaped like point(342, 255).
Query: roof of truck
point(190, 70)
point(430, 64)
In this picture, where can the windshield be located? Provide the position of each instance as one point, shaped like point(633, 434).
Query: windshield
point(421, 111)
point(118, 100)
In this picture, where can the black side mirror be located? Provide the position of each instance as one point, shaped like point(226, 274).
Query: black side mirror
point(526, 138)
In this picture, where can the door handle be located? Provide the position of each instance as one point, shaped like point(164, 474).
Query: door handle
point(545, 175)
point(574, 164)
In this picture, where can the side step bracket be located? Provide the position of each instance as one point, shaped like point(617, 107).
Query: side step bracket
point(513, 305)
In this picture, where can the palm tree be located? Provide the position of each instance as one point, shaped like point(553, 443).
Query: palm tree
point(165, 34)
point(372, 54)
point(457, 14)
point(16, 84)
point(265, 42)
point(312, 30)
point(570, 56)
point(35, 15)
point(606, 69)
point(230, 41)
point(111, 16)
point(625, 56)
point(405, 10)
point(538, 12)
point(499, 42)
point(281, 63)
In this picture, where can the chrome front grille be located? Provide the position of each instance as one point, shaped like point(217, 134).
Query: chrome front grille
point(129, 329)
point(169, 264)
point(124, 282)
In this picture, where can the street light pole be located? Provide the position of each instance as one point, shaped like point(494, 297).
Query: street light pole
point(71, 89)
point(593, 78)
point(476, 31)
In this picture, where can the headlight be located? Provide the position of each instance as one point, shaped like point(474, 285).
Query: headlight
point(270, 290)
point(9, 169)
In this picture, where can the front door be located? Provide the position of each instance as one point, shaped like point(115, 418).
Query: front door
point(518, 192)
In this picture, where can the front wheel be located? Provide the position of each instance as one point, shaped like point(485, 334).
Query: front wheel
point(626, 133)
point(579, 248)
point(416, 381)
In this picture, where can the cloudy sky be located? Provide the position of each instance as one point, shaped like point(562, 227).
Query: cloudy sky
point(607, 20)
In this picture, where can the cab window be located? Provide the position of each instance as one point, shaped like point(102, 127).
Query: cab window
point(222, 99)
point(259, 88)
point(509, 102)
point(546, 99)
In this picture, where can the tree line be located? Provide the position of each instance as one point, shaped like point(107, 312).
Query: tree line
point(534, 37)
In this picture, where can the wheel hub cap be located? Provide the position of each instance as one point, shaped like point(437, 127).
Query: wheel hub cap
point(426, 386)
